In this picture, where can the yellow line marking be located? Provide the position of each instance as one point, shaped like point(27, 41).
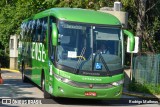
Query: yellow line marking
point(10, 70)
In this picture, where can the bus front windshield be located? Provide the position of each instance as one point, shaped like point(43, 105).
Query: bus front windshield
point(90, 48)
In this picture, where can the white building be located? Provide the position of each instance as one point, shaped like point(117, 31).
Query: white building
point(13, 45)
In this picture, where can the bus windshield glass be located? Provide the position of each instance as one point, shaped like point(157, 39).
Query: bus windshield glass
point(91, 48)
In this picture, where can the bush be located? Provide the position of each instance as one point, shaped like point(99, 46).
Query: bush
point(4, 59)
point(144, 88)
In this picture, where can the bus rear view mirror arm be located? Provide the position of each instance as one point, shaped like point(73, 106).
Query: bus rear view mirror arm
point(54, 35)
point(131, 39)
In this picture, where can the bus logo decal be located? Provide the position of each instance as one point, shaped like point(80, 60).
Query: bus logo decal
point(38, 51)
point(90, 85)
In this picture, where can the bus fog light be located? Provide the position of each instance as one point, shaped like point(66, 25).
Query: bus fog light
point(60, 89)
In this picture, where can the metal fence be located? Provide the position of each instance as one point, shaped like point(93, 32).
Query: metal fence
point(146, 69)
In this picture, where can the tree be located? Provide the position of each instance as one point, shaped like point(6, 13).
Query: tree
point(145, 22)
point(141, 20)
point(148, 23)
point(143, 16)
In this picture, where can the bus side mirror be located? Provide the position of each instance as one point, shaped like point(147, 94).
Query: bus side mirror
point(54, 35)
point(135, 46)
point(132, 42)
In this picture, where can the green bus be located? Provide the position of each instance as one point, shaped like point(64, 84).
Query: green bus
point(73, 53)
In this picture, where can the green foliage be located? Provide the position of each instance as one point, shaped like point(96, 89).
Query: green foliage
point(154, 32)
point(13, 12)
point(144, 88)
point(4, 59)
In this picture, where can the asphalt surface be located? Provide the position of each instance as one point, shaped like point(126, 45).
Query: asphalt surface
point(13, 87)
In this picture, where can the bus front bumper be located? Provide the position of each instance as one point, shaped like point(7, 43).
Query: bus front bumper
point(61, 89)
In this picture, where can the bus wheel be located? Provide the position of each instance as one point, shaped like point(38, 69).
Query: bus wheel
point(24, 78)
point(45, 93)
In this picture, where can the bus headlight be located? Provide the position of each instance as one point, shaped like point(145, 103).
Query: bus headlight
point(59, 78)
point(65, 80)
point(118, 83)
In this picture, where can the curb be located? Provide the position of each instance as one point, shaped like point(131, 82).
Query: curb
point(138, 95)
point(10, 70)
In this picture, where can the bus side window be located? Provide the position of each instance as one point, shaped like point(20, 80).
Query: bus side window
point(43, 32)
point(22, 31)
point(25, 29)
point(29, 29)
point(34, 25)
point(38, 30)
point(25, 33)
point(33, 29)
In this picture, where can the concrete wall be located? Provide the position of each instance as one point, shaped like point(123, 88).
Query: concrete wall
point(13, 63)
point(13, 44)
point(122, 16)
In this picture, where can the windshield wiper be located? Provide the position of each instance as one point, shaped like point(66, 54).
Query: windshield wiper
point(79, 60)
point(105, 64)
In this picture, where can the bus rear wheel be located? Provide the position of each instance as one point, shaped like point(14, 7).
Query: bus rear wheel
point(45, 93)
point(24, 78)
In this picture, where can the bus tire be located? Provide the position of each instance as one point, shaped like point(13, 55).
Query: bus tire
point(24, 78)
point(45, 93)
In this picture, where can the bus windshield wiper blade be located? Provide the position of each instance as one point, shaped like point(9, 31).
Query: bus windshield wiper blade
point(105, 64)
point(103, 61)
point(79, 61)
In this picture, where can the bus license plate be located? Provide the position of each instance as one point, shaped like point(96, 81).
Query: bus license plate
point(90, 94)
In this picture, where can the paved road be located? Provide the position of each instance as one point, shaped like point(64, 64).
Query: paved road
point(14, 88)
point(17, 89)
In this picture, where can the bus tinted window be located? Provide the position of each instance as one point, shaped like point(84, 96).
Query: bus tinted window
point(33, 29)
point(38, 30)
point(43, 32)
point(22, 31)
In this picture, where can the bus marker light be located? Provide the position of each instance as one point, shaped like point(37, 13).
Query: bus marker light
point(60, 89)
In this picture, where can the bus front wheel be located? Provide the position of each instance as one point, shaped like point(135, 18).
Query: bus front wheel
point(45, 93)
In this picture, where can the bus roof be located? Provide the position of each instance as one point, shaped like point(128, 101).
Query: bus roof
point(80, 15)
